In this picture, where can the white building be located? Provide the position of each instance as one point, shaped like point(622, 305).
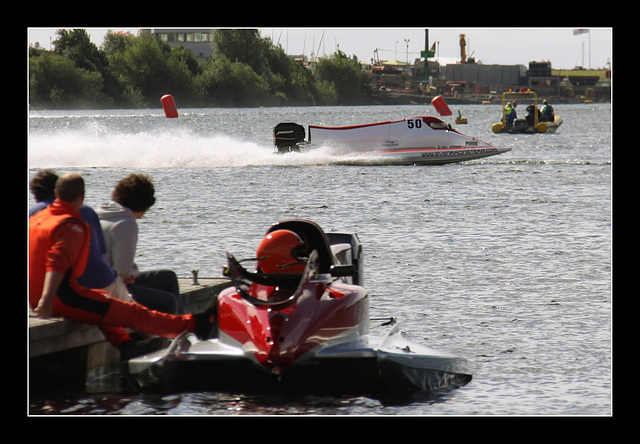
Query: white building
point(197, 40)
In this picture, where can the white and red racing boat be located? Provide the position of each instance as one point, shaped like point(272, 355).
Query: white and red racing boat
point(306, 332)
point(416, 140)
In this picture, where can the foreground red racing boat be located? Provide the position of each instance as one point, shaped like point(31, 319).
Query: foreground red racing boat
point(299, 322)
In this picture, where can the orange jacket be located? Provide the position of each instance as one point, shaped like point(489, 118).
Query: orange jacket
point(53, 245)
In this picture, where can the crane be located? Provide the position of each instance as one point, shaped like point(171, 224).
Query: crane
point(463, 51)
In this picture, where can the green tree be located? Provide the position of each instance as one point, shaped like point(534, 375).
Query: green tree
point(246, 70)
point(148, 70)
point(240, 45)
point(287, 82)
point(116, 42)
point(286, 77)
point(76, 46)
point(301, 89)
point(325, 93)
point(352, 85)
point(226, 83)
point(135, 71)
point(185, 55)
point(55, 82)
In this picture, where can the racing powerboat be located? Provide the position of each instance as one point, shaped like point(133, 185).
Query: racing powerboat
point(305, 332)
point(418, 140)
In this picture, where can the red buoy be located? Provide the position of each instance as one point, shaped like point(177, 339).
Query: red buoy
point(169, 106)
point(441, 106)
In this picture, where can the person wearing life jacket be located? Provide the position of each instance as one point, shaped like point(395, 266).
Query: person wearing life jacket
point(547, 112)
point(58, 251)
point(98, 273)
point(510, 112)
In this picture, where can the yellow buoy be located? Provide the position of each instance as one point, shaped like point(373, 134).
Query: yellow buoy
point(541, 128)
point(497, 127)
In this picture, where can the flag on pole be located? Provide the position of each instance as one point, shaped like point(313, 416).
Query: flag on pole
point(580, 31)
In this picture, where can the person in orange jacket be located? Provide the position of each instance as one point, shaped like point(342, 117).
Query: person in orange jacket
point(58, 251)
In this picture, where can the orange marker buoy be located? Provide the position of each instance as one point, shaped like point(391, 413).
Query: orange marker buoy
point(441, 106)
point(169, 106)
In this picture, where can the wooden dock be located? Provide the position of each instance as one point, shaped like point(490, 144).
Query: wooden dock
point(65, 354)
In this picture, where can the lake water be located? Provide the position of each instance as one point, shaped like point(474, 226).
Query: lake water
point(505, 260)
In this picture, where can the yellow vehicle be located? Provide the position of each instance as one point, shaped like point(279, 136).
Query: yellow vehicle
point(529, 124)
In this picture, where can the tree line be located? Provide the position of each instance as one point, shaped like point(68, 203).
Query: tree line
point(130, 71)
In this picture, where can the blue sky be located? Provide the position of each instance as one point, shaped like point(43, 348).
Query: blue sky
point(487, 45)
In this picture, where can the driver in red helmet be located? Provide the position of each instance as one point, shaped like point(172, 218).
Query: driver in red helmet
point(279, 252)
point(282, 251)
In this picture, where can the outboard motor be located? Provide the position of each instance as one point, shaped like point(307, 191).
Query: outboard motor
point(520, 124)
point(287, 136)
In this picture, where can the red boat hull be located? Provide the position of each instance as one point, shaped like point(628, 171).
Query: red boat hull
point(279, 337)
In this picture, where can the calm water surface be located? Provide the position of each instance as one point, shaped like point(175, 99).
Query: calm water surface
point(504, 260)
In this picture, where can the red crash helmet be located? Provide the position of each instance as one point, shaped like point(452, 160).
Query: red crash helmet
point(281, 251)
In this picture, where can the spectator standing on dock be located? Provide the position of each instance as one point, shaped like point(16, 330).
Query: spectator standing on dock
point(98, 273)
point(130, 200)
point(58, 251)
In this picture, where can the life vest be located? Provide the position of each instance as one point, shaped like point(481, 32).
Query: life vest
point(41, 227)
point(510, 113)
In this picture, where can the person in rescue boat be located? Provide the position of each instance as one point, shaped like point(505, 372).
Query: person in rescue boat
point(58, 251)
point(130, 200)
point(532, 110)
point(547, 112)
point(510, 112)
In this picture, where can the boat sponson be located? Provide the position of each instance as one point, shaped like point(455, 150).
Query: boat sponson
point(349, 368)
point(405, 379)
point(357, 376)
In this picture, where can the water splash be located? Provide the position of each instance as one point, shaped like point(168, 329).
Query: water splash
point(90, 147)
point(94, 146)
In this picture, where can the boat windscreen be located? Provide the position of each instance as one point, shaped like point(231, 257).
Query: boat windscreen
point(243, 279)
point(437, 124)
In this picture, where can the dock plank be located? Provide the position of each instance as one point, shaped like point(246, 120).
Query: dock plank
point(51, 340)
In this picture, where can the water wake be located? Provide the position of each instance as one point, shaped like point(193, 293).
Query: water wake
point(80, 148)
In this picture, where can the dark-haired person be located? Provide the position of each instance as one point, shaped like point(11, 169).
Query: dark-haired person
point(98, 273)
point(41, 186)
point(58, 251)
point(130, 200)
